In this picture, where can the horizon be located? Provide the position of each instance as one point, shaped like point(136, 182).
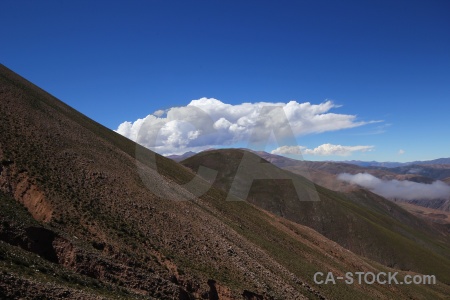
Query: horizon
point(357, 81)
point(293, 157)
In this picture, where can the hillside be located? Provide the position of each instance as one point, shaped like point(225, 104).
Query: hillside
point(436, 172)
point(324, 172)
point(439, 161)
point(181, 157)
point(441, 216)
point(438, 204)
point(360, 221)
point(77, 221)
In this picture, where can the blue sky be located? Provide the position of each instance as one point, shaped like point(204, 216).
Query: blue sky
point(118, 61)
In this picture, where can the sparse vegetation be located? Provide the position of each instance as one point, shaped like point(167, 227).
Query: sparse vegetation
point(112, 237)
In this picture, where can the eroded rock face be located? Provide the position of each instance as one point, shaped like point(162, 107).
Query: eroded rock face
point(18, 184)
point(35, 239)
point(52, 247)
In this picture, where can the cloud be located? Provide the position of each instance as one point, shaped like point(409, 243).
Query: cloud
point(220, 124)
point(379, 129)
point(401, 152)
point(396, 189)
point(329, 149)
point(159, 113)
point(294, 150)
point(322, 150)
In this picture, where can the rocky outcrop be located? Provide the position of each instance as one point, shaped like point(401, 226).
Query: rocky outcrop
point(17, 183)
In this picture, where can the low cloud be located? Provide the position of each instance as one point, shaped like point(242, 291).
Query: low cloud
point(399, 189)
point(401, 152)
point(322, 150)
point(220, 124)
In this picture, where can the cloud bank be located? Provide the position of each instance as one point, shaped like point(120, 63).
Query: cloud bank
point(405, 189)
point(219, 124)
point(322, 150)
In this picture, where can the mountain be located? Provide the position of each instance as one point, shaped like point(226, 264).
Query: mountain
point(441, 215)
point(87, 214)
point(421, 171)
point(438, 204)
point(324, 172)
point(386, 164)
point(436, 172)
point(181, 157)
point(439, 161)
point(360, 221)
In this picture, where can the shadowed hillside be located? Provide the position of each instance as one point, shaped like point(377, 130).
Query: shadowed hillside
point(360, 221)
point(77, 221)
point(325, 174)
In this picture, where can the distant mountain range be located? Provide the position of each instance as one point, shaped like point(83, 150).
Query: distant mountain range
point(181, 157)
point(419, 171)
point(386, 164)
point(439, 161)
point(349, 223)
point(324, 173)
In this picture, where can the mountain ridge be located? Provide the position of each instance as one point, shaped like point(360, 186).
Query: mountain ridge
point(388, 164)
point(278, 197)
point(361, 163)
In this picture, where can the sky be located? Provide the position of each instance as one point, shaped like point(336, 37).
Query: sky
point(362, 80)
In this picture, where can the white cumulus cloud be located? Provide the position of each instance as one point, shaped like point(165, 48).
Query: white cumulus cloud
point(401, 151)
point(322, 150)
point(399, 189)
point(294, 150)
point(159, 113)
point(208, 122)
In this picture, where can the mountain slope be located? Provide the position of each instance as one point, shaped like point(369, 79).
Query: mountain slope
point(94, 229)
point(181, 157)
point(361, 221)
point(436, 172)
point(387, 164)
point(323, 172)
